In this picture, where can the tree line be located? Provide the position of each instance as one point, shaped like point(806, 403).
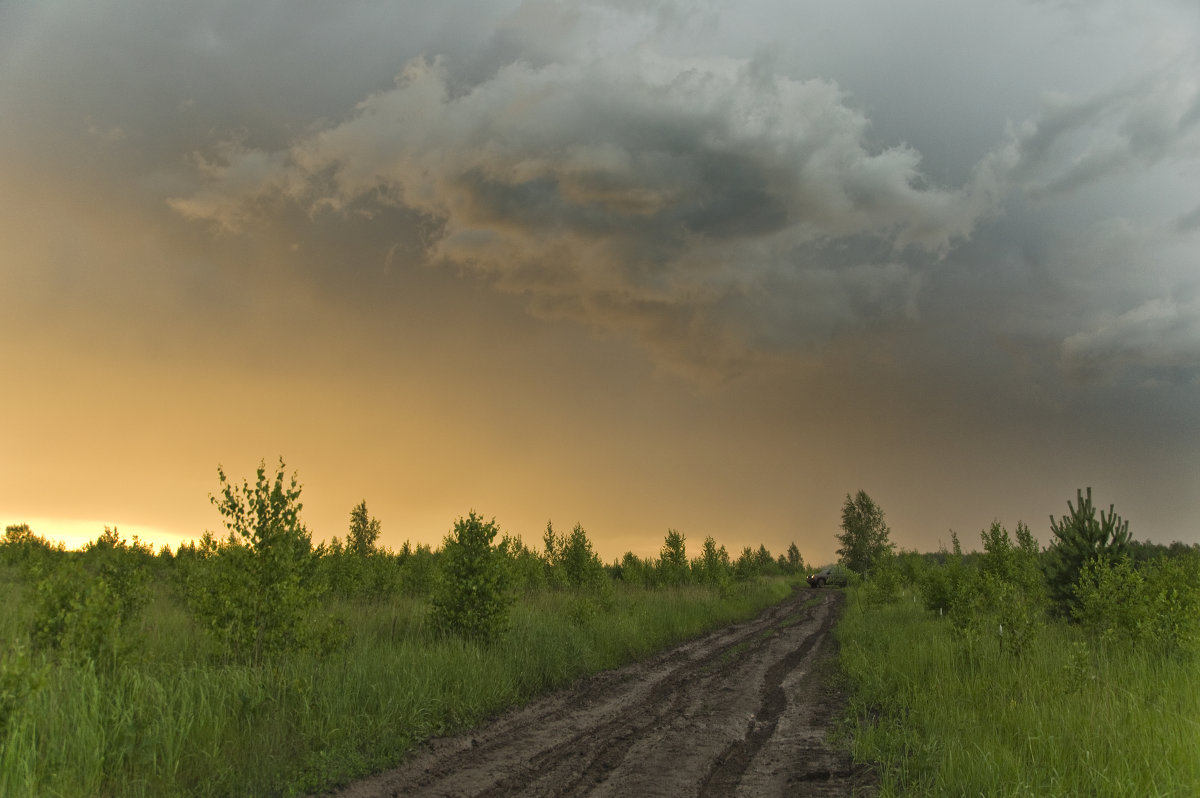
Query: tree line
point(1092, 573)
point(257, 591)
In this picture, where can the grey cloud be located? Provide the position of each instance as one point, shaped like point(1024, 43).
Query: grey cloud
point(1075, 142)
point(631, 185)
point(1160, 336)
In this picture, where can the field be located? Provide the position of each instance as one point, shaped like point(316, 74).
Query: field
point(262, 664)
point(958, 701)
point(164, 700)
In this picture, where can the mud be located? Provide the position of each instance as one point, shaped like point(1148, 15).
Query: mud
point(744, 711)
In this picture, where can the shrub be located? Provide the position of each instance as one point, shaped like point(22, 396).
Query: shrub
point(746, 567)
point(634, 570)
point(1110, 599)
point(1155, 606)
point(256, 590)
point(471, 598)
point(526, 570)
point(22, 548)
point(86, 605)
point(19, 678)
point(1002, 600)
point(672, 561)
point(884, 583)
point(364, 531)
point(713, 566)
point(418, 569)
point(1172, 621)
point(939, 586)
point(577, 561)
point(795, 563)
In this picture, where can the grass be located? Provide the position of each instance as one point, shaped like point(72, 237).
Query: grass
point(1071, 716)
point(169, 720)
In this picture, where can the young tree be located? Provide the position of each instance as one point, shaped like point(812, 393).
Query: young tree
point(1078, 538)
point(672, 561)
point(795, 563)
point(364, 531)
point(713, 566)
point(253, 590)
point(580, 564)
point(864, 536)
point(472, 596)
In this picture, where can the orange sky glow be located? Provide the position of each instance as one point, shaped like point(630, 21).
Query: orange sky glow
point(634, 268)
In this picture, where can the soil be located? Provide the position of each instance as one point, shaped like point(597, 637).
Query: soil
point(743, 711)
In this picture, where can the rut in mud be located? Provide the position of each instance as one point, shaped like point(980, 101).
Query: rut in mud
point(743, 711)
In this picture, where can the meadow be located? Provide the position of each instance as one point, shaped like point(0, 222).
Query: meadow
point(260, 664)
point(965, 682)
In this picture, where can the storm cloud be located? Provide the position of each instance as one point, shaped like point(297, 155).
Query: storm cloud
point(641, 262)
point(684, 198)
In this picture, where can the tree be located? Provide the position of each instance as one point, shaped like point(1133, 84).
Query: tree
point(472, 596)
point(795, 563)
point(253, 589)
point(580, 564)
point(1079, 538)
point(713, 566)
point(672, 561)
point(364, 531)
point(864, 536)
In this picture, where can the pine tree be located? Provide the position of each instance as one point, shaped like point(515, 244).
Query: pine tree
point(1078, 539)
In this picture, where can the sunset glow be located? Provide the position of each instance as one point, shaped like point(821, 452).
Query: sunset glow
point(708, 267)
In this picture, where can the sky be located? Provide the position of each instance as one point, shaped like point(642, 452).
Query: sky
point(633, 264)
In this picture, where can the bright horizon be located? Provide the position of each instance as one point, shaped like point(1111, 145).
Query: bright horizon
point(709, 267)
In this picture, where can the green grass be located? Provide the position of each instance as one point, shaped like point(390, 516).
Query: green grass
point(169, 720)
point(1070, 716)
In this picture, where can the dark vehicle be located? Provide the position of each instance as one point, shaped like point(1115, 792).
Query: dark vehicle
point(833, 575)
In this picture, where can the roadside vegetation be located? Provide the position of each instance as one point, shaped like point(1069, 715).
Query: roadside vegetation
point(260, 663)
point(1022, 671)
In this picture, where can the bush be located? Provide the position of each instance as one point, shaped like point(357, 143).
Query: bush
point(256, 591)
point(418, 569)
point(526, 570)
point(1155, 606)
point(672, 562)
point(884, 583)
point(26, 550)
point(19, 679)
point(1172, 622)
point(571, 560)
point(472, 598)
point(1110, 599)
point(633, 570)
point(86, 605)
point(713, 566)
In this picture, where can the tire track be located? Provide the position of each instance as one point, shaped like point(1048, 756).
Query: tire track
point(740, 711)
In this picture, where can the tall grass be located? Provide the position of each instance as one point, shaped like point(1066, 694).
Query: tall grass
point(944, 714)
point(170, 720)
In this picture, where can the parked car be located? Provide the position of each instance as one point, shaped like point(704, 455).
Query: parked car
point(833, 575)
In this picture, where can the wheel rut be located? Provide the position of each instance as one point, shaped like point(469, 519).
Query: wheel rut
point(742, 711)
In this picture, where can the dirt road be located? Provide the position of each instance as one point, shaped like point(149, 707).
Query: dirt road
point(743, 711)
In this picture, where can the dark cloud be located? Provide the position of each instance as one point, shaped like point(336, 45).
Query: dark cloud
point(1161, 337)
point(938, 244)
point(640, 183)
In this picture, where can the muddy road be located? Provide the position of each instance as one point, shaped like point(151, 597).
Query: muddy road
point(743, 711)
